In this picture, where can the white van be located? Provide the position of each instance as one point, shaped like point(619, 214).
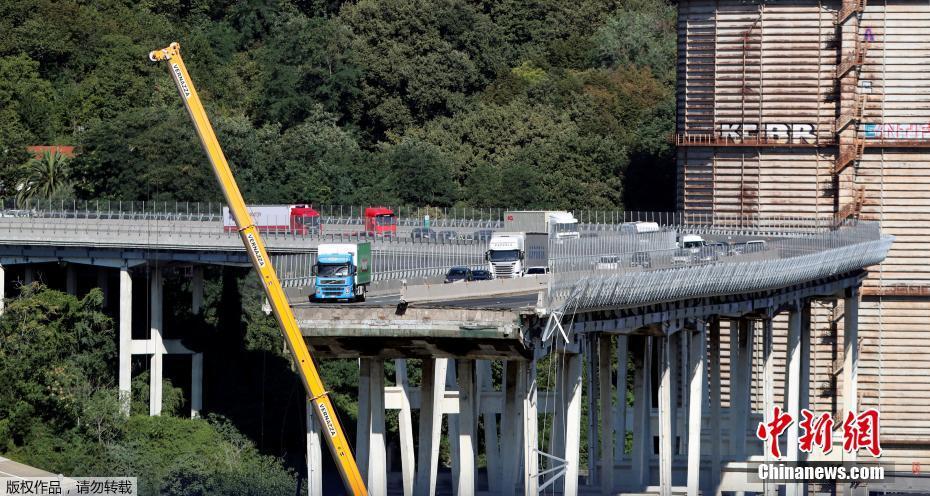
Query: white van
point(692, 242)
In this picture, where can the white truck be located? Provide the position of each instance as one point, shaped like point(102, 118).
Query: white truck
point(512, 254)
point(560, 222)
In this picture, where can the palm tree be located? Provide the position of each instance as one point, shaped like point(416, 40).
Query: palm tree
point(45, 178)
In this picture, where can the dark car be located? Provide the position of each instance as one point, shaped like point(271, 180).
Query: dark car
point(447, 236)
point(481, 275)
point(459, 274)
point(422, 233)
point(720, 247)
point(641, 259)
point(483, 235)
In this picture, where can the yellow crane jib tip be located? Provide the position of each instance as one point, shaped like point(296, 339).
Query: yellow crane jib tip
point(165, 53)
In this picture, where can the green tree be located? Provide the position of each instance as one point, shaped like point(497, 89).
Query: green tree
point(46, 178)
point(420, 174)
point(420, 59)
point(641, 32)
point(55, 352)
point(305, 63)
point(530, 155)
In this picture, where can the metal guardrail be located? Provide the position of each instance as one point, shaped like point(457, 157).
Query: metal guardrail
point(586, 275)
point(795, 247)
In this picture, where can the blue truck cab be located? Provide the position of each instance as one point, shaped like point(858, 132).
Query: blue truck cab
point(342, 271)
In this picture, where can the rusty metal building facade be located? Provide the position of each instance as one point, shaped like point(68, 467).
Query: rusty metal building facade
point(822, 108)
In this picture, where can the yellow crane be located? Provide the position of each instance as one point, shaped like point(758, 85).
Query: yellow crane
point(323, 406)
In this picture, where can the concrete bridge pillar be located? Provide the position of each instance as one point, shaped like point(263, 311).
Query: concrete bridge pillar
point(196, 384)
point(196, 358)
point(796, 367)
point(28, 274)
point(642, 408)
point(2, 288)
point(103, 282)
point(607, 426)
point(511, 429)
point(620, 426)
point(714, 401)
point(572, 383)
point(125, 338)
point(851, 369)
point(71, 279)
point(768, 389)
point(485, 385)
point(697, 379)
point(197, 289)
point(432, 392)
point(741, 340)
point(156, 341)
point(467, 425)
point(665, 417)
point(370, 449)
point(405, 428)
point(314, 454)
point(527, 388)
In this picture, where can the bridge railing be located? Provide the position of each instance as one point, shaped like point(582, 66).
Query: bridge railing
point(617, 270)
point(390, 262)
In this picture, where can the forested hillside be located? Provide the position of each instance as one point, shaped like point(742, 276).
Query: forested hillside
point(439, 102)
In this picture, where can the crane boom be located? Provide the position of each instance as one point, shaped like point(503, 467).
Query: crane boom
point(323, 407)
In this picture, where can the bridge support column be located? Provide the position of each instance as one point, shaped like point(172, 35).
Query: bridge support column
point(125, 338)
point(511, 429)
point(452, 423)
point(741, 380)
point(607, 408)
point(593, 380)
point(28, 275)
point(156, 291)
point(485, 384)
point(362, 426)
point(768, 391)
point(697, 378)
point(642, 408)
point(620, 415)
point(196, 384)
point(432, 392)
point(665, 419)
point(405, 428)
point(2, 288)
point(851, 368)
point(571, 453)
point(793, 395)
point(103, 282)
point(527, 389)
point(314, 454)
point(197, 289)
point(196, 358)
point(715, 401)
point(371, 418)
point(467, 425)
point(71, 279)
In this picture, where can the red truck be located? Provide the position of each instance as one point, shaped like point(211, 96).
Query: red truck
point(380, 221)
point(286, 219)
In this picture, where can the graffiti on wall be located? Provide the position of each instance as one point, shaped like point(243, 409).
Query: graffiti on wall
point(792, 133)
point(891, 131)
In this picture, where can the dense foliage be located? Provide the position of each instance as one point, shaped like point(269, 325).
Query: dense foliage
point(59, 409)
point(440, 102)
